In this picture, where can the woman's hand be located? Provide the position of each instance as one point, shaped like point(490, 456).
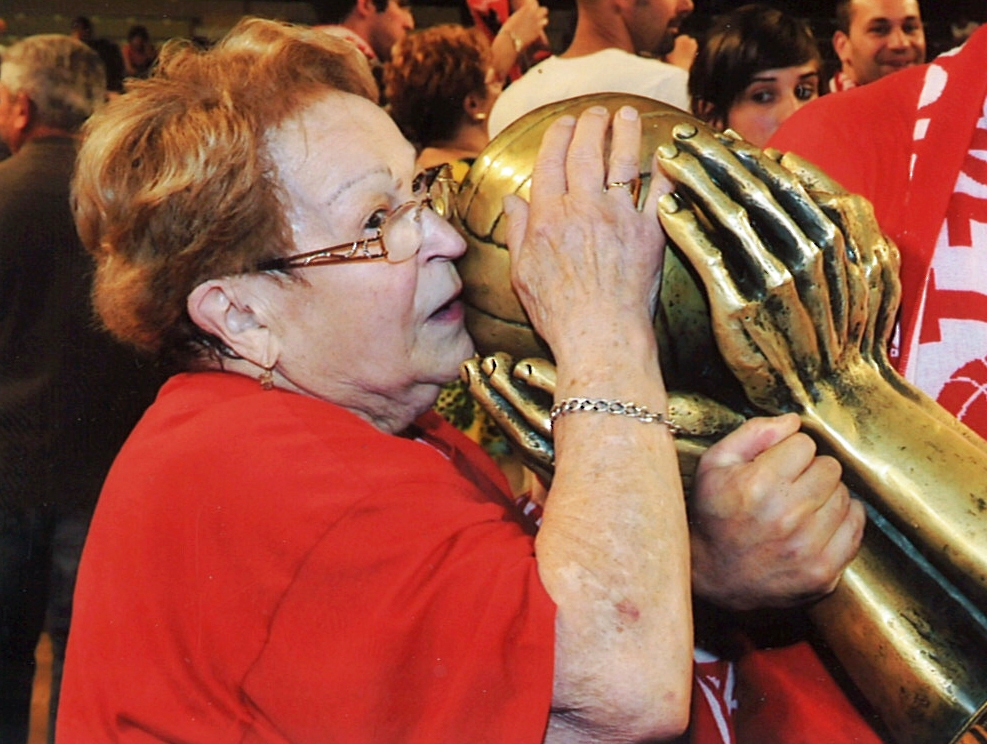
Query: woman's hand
point(613, 549)
point(585, 262)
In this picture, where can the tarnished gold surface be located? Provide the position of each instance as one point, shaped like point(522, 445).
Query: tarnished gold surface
point(779, 295)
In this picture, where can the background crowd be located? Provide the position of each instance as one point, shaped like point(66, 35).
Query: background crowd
point(69, 393)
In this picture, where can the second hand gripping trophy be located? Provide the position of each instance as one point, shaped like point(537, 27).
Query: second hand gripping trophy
point(779, 294)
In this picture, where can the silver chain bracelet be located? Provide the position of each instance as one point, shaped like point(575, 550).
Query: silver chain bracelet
point(617, 407)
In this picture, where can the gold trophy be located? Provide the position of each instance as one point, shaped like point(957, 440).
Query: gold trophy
point(779, 294)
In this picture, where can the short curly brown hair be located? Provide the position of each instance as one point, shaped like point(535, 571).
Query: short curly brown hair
point(175, 183)
point(430, 73)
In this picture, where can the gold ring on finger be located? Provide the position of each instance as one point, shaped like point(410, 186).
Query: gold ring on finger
point(632, 187)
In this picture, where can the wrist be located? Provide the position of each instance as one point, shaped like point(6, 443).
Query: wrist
point(583, 348)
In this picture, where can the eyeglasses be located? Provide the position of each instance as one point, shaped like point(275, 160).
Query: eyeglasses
point(399, 234)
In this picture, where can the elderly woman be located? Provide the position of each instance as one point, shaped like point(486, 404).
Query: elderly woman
point(756, 67)
point(290, 547)
point(287, 550)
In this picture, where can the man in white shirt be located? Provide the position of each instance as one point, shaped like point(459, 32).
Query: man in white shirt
point(605, 57)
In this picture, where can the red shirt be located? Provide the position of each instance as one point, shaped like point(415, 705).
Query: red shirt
point(267, 567)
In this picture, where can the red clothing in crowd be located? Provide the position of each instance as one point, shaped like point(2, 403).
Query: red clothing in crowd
point(915, 144)
point(264, 566)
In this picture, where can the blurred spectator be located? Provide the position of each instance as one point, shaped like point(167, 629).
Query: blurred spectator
point(516, 32)
point(608, 53)
point(683, 52)
point(108, 51)
point(875, 38)
point(756, 67)
point(69, 395)
point(139, 53)
point(374, 26)
point(440, 86)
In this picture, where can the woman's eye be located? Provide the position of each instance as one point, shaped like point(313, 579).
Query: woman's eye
point(376, 220)
point(762, 96)
point(805, 92)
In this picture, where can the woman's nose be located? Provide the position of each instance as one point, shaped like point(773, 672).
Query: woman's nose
point(441, 239)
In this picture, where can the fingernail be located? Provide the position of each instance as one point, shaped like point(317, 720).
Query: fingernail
point(597, 111)
point(628, 113)
point(668, 204)
point(667, 151)
point(684, 131)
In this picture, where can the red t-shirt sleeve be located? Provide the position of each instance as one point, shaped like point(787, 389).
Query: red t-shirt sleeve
point(435, 630)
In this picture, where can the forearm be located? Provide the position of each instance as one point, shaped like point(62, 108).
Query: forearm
point(915, 467)
point(504, 51)
point(613, 551)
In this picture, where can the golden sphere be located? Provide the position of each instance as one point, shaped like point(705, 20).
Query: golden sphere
point(497, 322)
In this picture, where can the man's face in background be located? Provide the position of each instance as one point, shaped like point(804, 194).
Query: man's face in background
point(885, 36)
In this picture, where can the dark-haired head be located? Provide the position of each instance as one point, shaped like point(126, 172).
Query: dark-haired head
point(741, 44)
point(337, 11)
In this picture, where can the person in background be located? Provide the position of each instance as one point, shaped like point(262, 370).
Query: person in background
point(108, 51)
point(138, 53)
point(756, 67)
point(516, 32)
point(69, 394)
point(440, 86)
point(874, 38)
point(605, 56)
point(373, 26)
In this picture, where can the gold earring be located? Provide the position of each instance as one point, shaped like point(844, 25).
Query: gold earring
point(266, 379)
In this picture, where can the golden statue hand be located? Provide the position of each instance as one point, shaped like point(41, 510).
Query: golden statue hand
point(789, 301)
point(799, 283)
point(875, 295)
point(518, 396)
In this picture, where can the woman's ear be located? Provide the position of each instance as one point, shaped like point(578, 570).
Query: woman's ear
point(703, 110)
point(228, 311)
point(475, 107)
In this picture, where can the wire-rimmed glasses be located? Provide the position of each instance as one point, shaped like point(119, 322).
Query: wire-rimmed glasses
point(398, 237)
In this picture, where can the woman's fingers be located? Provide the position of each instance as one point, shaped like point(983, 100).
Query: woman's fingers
point(585, 162)
point(548, 176)
point(623, 179)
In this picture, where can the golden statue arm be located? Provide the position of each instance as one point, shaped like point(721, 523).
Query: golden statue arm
point(518, 396)
point(798, 315)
